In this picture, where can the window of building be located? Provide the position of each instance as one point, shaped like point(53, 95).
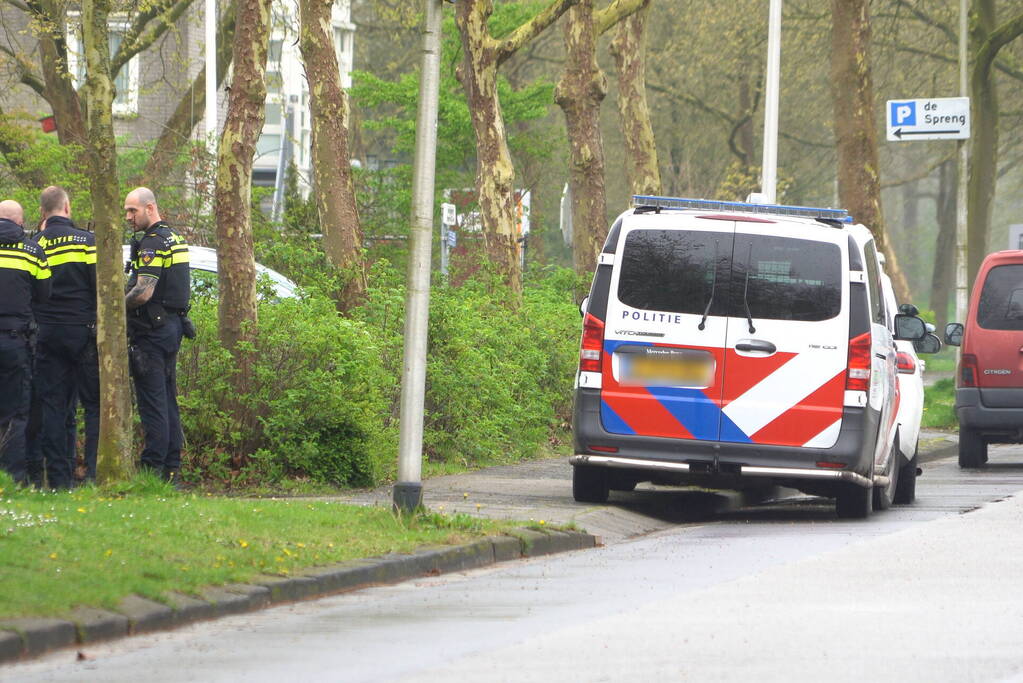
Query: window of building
point(126, 80)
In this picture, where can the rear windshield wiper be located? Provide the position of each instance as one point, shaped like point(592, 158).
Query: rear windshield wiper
point(745, 290)
point(713, 286)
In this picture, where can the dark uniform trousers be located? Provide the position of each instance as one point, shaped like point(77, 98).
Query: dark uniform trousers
point(66, 363)
point(15, 382)
point(154, 361)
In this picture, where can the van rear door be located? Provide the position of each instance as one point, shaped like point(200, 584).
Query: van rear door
point(1000, 351)
point(787, 342)
point(665, 327)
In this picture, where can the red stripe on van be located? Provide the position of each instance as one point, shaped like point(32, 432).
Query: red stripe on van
point(808, 418)
point(643, 412)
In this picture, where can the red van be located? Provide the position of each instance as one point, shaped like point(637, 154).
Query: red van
point(989, 382)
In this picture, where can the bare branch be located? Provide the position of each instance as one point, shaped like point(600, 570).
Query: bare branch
point(604, 19)
point(28, 76)
point(523, 34)
point(147, 28)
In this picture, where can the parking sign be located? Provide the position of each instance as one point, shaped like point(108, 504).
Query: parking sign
point(943, 118)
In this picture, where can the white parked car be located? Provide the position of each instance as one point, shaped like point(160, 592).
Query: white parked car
point(204, 260)
point(911, 399)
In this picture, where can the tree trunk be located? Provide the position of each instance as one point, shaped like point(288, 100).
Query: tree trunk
point(579, 93)
point(178, 130)
point(115, 457)
point(495, 173)
point(987, 38)
point(629, 50)
point(332, 168)
point(859, 180)
point(244, 123)
point(945, 245)
point(59, 90)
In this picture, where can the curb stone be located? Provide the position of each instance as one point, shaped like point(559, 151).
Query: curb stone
point(31, 637)
point(93, 624)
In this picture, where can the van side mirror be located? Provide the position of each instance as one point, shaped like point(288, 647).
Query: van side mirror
point(582, 306)
point(954, 334)
point(929, 344)
point(909, 328)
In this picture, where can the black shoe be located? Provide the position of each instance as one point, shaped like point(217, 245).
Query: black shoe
point(173, 477)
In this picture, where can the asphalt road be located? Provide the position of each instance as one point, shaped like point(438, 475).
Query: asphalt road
point(783, 591)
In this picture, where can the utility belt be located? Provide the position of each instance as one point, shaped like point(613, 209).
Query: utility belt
point(23, 331)
point(152, 316)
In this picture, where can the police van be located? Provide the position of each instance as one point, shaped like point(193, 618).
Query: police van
point(740, 346)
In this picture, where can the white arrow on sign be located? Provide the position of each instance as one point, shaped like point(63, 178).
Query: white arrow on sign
point(943, 118)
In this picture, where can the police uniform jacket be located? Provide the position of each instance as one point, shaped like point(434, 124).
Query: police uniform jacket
point(71, 255)
point(24, 276)
point(163, 254)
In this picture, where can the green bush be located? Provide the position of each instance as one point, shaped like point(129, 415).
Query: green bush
point(317, 405)
point(499, 375)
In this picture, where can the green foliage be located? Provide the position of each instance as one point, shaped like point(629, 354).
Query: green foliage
point(316, 407)
point(939, 405)
point(45, 157)
point(494, 394)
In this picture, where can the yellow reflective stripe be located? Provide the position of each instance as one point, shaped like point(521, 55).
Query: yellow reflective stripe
point(76, 254)
point(180, 257)
point(26, 263)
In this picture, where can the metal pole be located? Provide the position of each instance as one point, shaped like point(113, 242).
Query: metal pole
point(408, 490)
point(769, 172)
point(210, 118)
point(962, 287)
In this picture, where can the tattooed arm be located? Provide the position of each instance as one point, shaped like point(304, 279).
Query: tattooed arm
point(141, 292)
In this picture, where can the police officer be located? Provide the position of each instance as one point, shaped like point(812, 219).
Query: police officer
point(66, 359)
point(24, 279)
point(156, 302)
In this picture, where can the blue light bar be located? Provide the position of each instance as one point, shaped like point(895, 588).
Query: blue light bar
point(715, 205)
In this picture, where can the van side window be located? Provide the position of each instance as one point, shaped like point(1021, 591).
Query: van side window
point(1001, 299)
point(874, 285)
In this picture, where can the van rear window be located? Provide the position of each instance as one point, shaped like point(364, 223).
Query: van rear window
point(1001, 300)
point(778, 278)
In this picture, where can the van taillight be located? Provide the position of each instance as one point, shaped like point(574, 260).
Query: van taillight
point(905, 363)
point(968, 370)
point(857, 376)
point(593, 344)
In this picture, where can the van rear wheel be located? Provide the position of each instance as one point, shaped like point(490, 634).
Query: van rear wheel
point(589, 484)
point(854, 502)
point(972, 448)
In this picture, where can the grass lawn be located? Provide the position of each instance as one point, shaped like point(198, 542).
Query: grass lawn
point(93, 546)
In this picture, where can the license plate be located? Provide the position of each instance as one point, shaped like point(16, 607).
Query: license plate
point(668, 368)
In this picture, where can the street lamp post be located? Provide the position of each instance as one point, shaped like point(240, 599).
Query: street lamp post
point(769, 170)
point(408, 490)
point(961, 196)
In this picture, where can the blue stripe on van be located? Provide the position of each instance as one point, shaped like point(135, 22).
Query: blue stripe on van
point(731, 432)
point(691, 407)
point(612, 423)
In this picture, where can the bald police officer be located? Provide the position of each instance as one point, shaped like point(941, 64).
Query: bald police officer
point(156, 302)
point(24, 280)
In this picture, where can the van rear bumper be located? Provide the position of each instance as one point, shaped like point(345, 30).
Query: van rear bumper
point(744, 470)
point(973, 412)
point(726, 464)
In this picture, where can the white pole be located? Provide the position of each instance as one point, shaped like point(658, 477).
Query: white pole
point(769, 173)
point(408, 490)
point(211, 77)
point(962, 286)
